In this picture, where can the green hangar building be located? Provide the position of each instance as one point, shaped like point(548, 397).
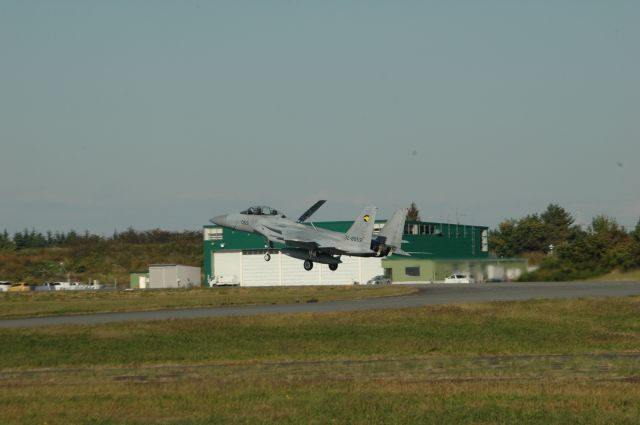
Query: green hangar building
point(437, 250)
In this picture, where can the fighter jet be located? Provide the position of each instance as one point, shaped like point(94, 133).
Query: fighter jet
point(307, 243)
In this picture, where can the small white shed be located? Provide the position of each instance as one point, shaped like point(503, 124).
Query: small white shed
point(173, 276)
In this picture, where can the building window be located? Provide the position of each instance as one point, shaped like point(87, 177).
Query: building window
point(213, 234)
point(484, 236)
point(420, 229)
point(412, 271)
point(411, 229)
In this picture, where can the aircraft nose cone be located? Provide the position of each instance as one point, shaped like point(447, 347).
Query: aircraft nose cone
point(220, 220)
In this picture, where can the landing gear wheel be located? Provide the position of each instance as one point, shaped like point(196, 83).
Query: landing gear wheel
point(333, 267)
point(308, 265)
point(267, 257)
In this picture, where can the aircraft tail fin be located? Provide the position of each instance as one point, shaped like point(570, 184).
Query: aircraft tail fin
point(362, 228)
point(393, 230)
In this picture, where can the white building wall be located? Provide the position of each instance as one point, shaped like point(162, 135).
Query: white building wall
point(371, 267)
point(293, 273)
point(257, 272)
point(227, 268)
point(173, 276)
point(163, 277)
point(282, 270)
point(188, 276)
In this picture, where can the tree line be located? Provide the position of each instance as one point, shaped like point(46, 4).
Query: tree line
point(564, 249)
point(34, 239)
point(37, 257)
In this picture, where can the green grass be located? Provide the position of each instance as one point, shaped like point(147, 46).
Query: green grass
point(618, 276)
point(558, 361)
point(77, 302)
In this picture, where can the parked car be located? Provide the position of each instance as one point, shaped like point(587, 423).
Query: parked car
point(458, 278)
point(47, 286)
point(4, 285)
point(379, 280)
point(20, 287)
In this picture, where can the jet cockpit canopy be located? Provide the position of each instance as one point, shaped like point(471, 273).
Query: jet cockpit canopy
point(261, 210)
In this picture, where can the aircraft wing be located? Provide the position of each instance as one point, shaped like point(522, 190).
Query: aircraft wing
point(311, 239)
point(272, 233)
point(301, 238)
point(308, 213)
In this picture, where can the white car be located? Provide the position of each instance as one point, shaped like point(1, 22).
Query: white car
point(379, 280)
point(4, 285)
point(458, 278)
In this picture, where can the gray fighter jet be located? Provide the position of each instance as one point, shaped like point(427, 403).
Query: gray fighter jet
point(309, 243)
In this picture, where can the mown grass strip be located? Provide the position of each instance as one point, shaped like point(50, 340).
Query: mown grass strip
point(558, 361)
point(535, 327)
point(13, 305)
point(388, 393)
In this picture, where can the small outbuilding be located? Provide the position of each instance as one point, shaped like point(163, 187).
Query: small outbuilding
point(173, 276)
point(139, 280)
point(426, 269)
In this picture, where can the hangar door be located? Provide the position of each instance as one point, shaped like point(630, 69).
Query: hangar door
point(258, 272)
point(250, 269)
point(287, 271)
point(227, 267)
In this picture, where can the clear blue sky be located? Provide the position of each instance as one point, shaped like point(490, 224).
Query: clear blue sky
point(166, 113)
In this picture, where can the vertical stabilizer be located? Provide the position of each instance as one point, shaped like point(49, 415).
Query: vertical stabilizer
point(393, 230)
point(362, 228)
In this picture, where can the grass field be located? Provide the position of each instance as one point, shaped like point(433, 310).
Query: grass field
point(618, 276)
point(561, 361)
point(77, 302)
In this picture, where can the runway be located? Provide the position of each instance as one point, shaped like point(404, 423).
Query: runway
point(434, 294)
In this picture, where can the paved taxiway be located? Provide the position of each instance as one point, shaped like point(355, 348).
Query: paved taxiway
point(426, 295)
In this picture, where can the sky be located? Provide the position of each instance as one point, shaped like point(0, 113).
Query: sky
point(163, 114)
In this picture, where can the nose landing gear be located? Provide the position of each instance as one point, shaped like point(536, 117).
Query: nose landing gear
point(269, 246)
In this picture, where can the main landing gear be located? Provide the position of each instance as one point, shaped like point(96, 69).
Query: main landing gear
point(308, 265)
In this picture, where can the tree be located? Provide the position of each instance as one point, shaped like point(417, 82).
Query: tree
point(613, 242)
point(557, 225)
point(502, 239)
point(5, 241)
point(635, 246)
point(530, 234)
point(606, 231)
point(413, 214)
point(515, 237)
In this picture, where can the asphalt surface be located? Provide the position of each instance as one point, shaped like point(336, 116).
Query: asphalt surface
point(427, 295)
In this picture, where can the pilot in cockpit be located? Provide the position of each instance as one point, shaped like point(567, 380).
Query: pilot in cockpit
point(260, 211)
